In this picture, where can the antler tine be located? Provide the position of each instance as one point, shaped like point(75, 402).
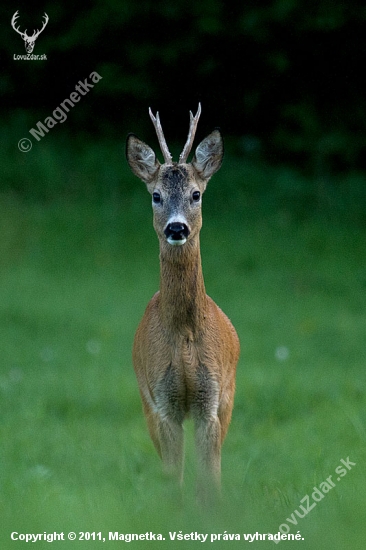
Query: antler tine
point(46, 19)
point(193, 121)
point(159, 132)
point(14, 18)
point(13, 21)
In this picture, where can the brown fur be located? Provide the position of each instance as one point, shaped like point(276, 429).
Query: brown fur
point(185, 350)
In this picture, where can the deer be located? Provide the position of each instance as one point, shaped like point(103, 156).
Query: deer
point(185, 349)
point(29, 41)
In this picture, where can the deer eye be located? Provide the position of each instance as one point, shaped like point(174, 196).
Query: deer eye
point(156, 197)
point(196, 195)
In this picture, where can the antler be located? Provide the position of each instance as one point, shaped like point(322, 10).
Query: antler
point(24, 34)
point(13, 21)
point(37, 33)
point(159, 132)
point(192, 130)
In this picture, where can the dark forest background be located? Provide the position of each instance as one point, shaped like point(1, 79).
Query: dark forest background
point(284, 77)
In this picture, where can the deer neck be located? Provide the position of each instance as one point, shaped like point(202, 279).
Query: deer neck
point(183, 300)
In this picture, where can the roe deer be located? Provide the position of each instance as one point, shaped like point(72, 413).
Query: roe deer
point(185, 349)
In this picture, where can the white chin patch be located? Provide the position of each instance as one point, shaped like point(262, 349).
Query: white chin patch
point(175, 242)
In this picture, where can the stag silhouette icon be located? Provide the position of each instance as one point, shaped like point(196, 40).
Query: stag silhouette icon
point(28, 40)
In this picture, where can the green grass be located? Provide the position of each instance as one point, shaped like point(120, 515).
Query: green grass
point(75, 277)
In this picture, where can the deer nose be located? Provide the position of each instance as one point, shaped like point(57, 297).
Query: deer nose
point(176, 232)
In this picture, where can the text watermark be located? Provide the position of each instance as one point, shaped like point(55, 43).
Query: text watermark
point(177, 536)
point(317, 495)
point(59, 114)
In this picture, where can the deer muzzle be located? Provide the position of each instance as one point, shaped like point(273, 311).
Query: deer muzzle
point(176, 233)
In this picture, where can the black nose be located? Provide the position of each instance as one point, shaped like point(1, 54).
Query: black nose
point(176, 231)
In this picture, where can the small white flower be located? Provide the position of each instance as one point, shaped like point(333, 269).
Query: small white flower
point(93, 347)
point(41, 472)
point(282, 353)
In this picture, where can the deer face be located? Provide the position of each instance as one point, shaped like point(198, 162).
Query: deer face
point(29, 44)
point(176, 201)
point(176, 188)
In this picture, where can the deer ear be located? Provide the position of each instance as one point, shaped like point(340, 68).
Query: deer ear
point(209, 154)
point(141, 158)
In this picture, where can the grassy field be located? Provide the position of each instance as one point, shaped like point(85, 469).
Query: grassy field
point(75, 455)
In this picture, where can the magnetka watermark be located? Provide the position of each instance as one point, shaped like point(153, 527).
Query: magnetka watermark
point(29, 41)
point(59, 114)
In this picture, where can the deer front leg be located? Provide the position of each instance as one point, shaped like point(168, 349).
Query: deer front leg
point(168, 440)
point(208, 446)
point(208, 437)
point(172, 448)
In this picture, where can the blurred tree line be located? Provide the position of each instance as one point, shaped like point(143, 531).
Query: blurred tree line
point(284, 77)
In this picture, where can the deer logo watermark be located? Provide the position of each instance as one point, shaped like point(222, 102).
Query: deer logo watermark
point(29, 41)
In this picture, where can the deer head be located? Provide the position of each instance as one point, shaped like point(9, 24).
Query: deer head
point(28, 40)
point(176, 187)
